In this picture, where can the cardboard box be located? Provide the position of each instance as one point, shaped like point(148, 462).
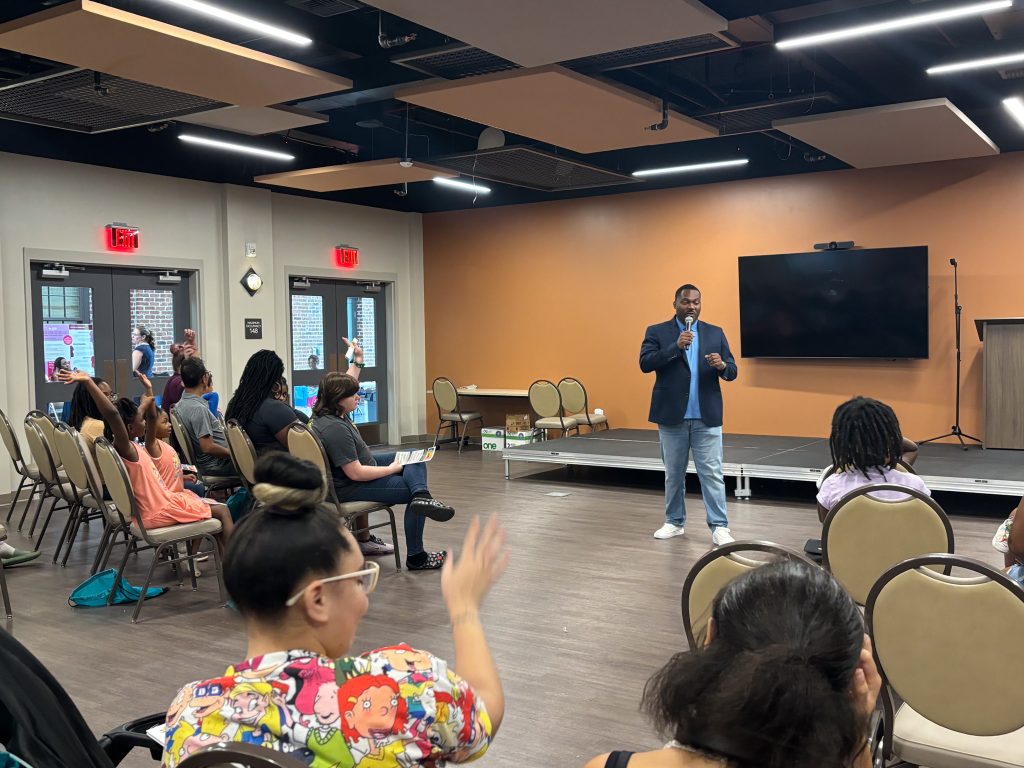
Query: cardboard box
point(518, 422)
point(512, 439)
point(492, 438)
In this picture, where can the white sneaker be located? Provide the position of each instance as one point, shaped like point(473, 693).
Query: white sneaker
point(667, 531)
point(374, 546)
point(720, 536)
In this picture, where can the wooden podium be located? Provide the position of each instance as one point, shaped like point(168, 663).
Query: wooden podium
point(1004, 381)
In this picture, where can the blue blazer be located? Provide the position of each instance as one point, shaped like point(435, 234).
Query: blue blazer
point(660, 354)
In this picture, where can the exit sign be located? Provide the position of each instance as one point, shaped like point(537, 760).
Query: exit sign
point(346, 257)
point(121, 237)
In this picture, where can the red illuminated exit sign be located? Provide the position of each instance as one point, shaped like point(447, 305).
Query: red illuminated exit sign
point(346, 257)
point(121, 237)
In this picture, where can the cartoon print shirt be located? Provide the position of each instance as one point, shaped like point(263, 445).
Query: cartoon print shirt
point(394, 707)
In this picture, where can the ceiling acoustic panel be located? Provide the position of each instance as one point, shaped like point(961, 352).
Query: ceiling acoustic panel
point(894, 134)
point(560, 107)
point(257, 121)
point(88, 35)
point(87, 102)
point(533, 168)
point(533, 33)
point(374, 173)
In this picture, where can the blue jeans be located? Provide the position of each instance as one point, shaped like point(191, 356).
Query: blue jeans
point(677, 441)
point(397, 489)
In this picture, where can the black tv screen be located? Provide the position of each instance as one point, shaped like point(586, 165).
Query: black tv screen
point(870, 303)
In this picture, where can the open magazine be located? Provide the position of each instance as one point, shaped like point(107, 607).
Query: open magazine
point(415, 457)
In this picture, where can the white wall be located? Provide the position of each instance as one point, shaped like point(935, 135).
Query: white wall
point(53, 209)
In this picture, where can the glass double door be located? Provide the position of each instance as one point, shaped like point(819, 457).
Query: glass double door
point(322, 313)
point(84, 320)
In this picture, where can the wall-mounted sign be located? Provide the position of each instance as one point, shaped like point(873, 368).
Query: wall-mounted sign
point(121, 237)
point(346, 256)
point(254, 327)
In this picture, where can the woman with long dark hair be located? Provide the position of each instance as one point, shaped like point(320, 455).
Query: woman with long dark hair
point(85, 415)
point(264, 418)
point(302, 588)
point(144, 352)
point(784, 678)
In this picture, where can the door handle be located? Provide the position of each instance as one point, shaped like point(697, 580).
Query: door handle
point(108, 373)
point(121, 379)
point(332, 361)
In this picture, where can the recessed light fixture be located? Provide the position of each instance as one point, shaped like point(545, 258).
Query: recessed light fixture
point(238, 20)
point(230, 146)
point(691, 168)
point(1015, 106)
point(465, 186)
point(963, 66)
point(892, 25)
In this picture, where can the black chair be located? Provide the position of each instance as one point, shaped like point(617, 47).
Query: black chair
point(246, 755)
point(40, 724)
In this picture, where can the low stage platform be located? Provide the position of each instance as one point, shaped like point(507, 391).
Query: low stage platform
point(943, 467)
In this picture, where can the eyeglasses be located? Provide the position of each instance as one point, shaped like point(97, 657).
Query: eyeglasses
point(367, 581)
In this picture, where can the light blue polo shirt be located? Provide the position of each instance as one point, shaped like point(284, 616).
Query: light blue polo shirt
point(692, 358)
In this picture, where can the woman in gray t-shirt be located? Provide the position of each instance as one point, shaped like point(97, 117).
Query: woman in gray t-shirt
point(360, 475)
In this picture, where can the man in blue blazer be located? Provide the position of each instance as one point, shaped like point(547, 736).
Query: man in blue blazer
point(689, 359)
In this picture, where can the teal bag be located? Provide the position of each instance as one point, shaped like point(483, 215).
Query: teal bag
point(94, 591)
point(238, 503)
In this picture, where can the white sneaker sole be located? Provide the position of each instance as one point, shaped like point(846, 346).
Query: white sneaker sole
point(663, 536)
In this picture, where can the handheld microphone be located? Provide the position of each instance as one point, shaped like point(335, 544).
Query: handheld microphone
point(689, 324)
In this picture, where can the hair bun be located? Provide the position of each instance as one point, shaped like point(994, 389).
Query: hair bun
point(288, 499)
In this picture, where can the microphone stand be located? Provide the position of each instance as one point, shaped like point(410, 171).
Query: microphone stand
point(955, 430)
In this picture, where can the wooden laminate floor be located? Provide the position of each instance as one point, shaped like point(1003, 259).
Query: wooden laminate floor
point(587, 611)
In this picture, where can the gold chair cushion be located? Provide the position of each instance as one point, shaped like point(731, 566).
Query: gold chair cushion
point(921, 742)
point(553, 422)
point(31, 471)
point(179, 532)
point(351, 508)
point(463, 418)
point(595, 418)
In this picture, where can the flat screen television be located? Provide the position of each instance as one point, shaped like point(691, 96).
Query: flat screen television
point(870, 303)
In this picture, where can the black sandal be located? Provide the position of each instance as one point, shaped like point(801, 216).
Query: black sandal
point(432, 562)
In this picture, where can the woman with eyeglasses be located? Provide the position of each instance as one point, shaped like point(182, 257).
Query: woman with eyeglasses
point(85, 416)
point(301, 584)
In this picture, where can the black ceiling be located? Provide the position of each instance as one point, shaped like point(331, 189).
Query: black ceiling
point(739, 90)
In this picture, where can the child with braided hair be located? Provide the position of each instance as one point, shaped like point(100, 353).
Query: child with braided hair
point(867, 447)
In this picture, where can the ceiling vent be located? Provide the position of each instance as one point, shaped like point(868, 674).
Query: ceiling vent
point(532, 168)
point(753, 118)
point(454, 61)
point(650, 54)
point(325, 9)
point(90, 102)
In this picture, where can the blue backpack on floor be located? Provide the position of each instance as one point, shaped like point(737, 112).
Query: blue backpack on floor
point(94, 591)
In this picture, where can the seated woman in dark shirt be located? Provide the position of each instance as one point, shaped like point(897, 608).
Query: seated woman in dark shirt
point(784, 678)
point(360, 475)
point(264, 418)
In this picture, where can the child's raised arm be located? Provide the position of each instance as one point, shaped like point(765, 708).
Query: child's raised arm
point(122, 443)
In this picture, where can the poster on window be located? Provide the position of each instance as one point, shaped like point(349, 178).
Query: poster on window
point(71, 346)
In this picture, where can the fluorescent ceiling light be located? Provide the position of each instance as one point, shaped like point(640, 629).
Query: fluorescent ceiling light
point(1015, 106)
point(230, 146)
point(991, 61)
point(903, 22)
point(238, 20)
point(465, 186)
point(690, 168)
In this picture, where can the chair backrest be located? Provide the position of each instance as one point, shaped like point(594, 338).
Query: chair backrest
point(304, 443)
point(119, 486)
point(948, 645)
point(901, 466)
point(238, 754)
point(545, 399)
point(72, 457)
point(11, 442)
point(574, 396)
point(243, 453)
point(713, 571)
point(42, 457)
point(864, 536)
point(182, 438)
point(445, 395)
point(46, 426)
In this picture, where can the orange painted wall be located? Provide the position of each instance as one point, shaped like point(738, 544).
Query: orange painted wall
point(548, 290)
